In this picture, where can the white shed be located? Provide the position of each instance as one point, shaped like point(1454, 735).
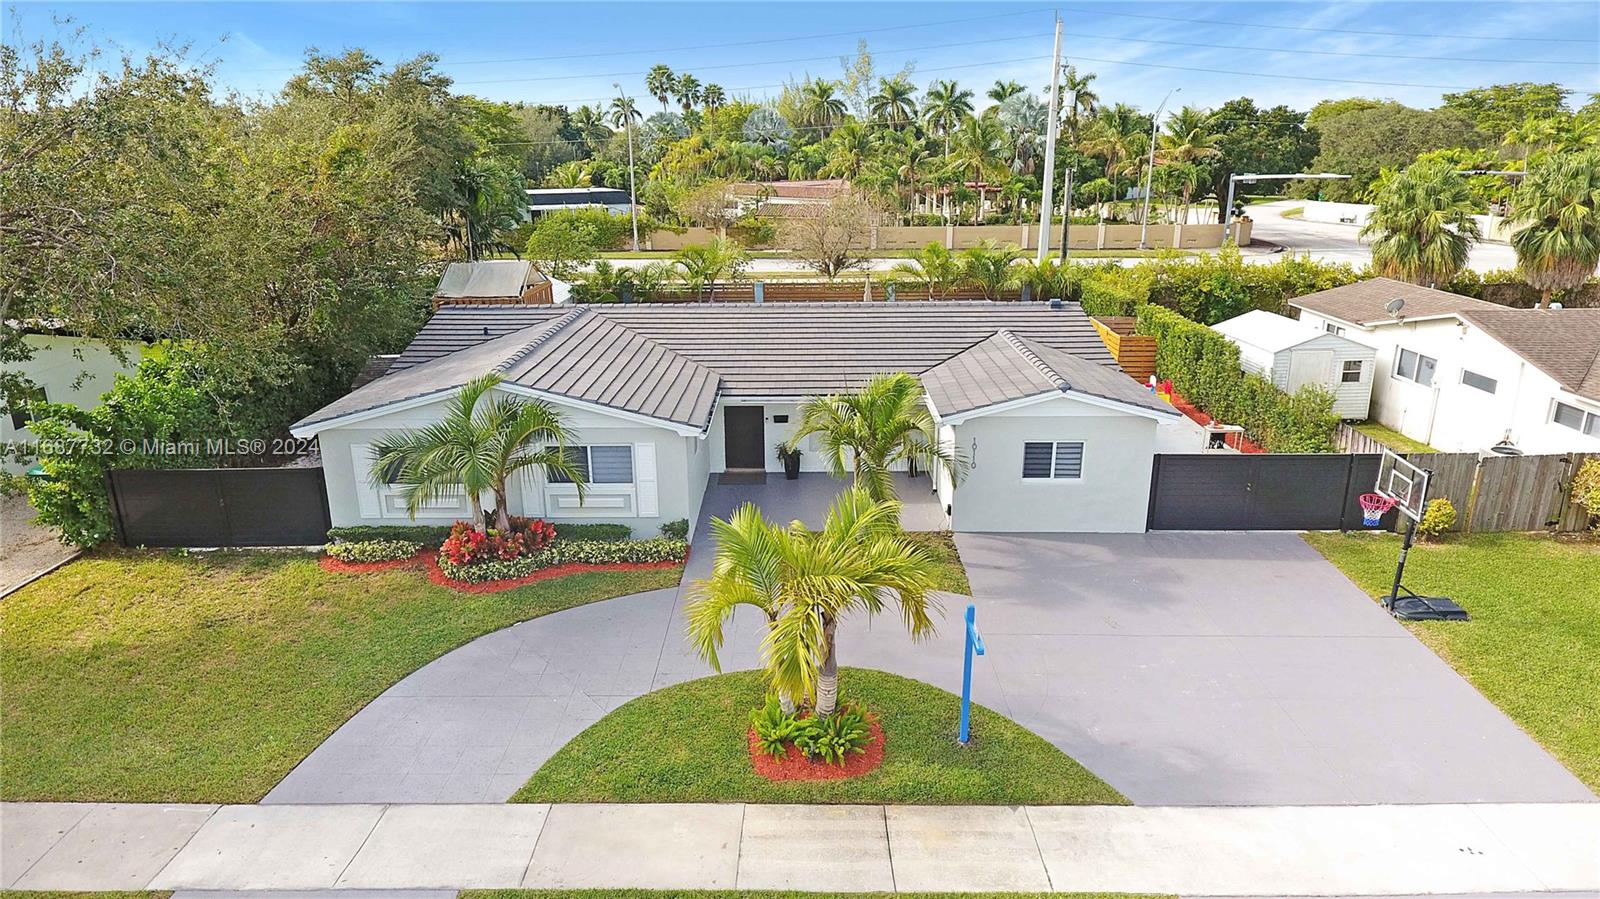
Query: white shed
point(1291, 355)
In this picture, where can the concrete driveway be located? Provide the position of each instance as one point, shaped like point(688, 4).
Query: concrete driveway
point(1236, 669)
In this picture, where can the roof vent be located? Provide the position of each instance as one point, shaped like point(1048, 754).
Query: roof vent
point(1555, 305)
point(486, 330)
point(1055, 303)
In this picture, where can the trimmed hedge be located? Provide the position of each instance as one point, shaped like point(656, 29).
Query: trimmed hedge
point(562, 552)
point(433, 535)
point(373, 550)
point(1204, 367)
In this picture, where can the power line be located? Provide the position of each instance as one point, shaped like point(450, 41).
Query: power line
point(1469, 37)
point(1214, 71)
point(1151, 40)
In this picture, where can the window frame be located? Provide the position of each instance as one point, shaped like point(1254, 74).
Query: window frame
point(1345, 372)
point(1494, 383)
point(1414, 377)
point(1331, 328)
point(1588, 422)
point(21, 418)
point(1055, 451)
point(588, 465)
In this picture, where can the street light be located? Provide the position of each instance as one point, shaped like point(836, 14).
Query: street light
point(1150, 170)
point(1226, 213)
point(633, 200)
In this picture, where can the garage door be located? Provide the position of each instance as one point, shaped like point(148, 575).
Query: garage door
point(1258, 491)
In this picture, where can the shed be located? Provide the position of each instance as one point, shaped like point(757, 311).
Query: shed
point(491, 282)
point(1291, 355)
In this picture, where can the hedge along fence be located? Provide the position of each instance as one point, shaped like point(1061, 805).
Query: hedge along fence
point(1204, 367)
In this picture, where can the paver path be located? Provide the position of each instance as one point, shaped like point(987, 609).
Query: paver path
point(1183, 668)
point(1224, 851)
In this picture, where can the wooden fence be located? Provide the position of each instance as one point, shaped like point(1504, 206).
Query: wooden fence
point(1135, 353)
point(820, 292)
point(1026, 236)
point(1508, 493)
point(1350, 440)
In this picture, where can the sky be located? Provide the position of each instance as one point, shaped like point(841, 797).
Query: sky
point(571, 53)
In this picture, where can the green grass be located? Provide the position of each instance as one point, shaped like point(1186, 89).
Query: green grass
point(158, 677)
point(687, 743)
point(1293, 212)
point(952, 575)
point(763, 894)
point(1533, 644)
point(1391, 438)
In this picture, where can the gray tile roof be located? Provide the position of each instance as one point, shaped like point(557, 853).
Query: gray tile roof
point(1363, 302)
point(671, 361)
point(1562, 343)
point(1006, 367)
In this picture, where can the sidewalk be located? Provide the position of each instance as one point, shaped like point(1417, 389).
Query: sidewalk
point(1344, 850)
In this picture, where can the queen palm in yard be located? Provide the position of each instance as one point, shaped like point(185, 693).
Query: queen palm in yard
point(1422, 223)
point(989, 267)
point(820, 104)
point(624, 113)
point(805, 582)
point(933, 267)
point(478, 445)
point(867, 432)
point(1556, 213)
point(980, 154)
point(1079, 100)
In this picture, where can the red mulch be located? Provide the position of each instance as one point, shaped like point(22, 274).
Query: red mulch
point(429, 558)
point(1238, 441)
point(795, 766)
point(337, 566)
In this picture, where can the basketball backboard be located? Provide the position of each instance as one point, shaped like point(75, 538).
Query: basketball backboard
point(1404, 483)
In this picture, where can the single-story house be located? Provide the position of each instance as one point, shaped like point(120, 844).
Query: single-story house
point(1464, 375)
point(664, 396)
point(781, 198)
point(492, 281)
point(64, 368)
point(552, 199)
point(1292, 354)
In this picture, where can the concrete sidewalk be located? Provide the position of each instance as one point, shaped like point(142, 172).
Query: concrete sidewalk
point(1322, 850)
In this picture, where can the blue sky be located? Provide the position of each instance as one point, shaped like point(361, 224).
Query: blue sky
point(572, 52)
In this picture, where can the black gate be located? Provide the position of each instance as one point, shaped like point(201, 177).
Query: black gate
point(1260, 491)
point(220, 506)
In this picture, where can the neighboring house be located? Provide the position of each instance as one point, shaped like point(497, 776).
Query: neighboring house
point(781, 198)
point(1464, 375)
point(496, 281)
point(66, 368)
point(663, 397)
point(1292, 354)
point(551, 199)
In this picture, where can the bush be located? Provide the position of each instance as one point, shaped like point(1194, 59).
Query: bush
point(1586, 490)
point(1204, 367)
point(467, 546)
point(594, 531)
point(562, 552)
point(676, 530)
point(832, 739)
point(373, 550)
point(1108, 292)
point(1437, 517)
point(426, 535)
point(775, 729)
point(566, 240)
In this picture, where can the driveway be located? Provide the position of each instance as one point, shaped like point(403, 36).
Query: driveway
point(26, 549)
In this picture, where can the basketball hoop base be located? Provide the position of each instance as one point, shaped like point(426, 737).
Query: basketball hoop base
point(1412, 607)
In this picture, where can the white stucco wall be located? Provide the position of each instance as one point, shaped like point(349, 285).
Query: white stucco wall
point(73, 370)
point(1452, 416)
point(669, 489)
point(775, 432)
point(1113, 495)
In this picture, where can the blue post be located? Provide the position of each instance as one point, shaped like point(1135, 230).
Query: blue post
point(974, 644)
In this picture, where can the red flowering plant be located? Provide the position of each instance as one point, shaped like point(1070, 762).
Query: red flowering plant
point(466, 546)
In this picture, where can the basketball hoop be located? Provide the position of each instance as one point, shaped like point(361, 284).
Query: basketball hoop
point(1373, 505)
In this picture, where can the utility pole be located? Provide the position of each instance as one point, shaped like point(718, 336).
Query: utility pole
point(1047, 195)
point(1150, 170)
point(1066, 217)
point(633, 198)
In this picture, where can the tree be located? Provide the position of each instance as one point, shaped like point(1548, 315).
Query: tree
point(476, 447)
point(832, 238)
point(573, 174)
point(624, 113)
point(882, 424)
point(944, 105)
point(1080, 100)
point(590, 123)
point(1046, 279)
point(713, 96)
point(980, 155)
point(687, 89)
point(820, 105)
point(933, 267)
point(701, 266)
point(894, 103)
point(1497, 109)
point(660, 82)
point(1273, 140)
point(1004, 90)
point(1363, 142)
point(1422, 224)
point(805, 582)
point(1556, 212)
point(989, 267)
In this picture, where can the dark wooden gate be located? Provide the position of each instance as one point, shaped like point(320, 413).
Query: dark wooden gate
point(220, 506)
point(1259, 492)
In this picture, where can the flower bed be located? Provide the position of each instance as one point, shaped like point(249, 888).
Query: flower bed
point(657, 551)
point(794, 765)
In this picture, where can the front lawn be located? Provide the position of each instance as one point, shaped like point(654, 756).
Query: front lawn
point(687, 743)
point(1391, 438)
point(143, 676)
point(1533, 644)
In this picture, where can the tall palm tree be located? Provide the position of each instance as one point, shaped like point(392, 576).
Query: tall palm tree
point(1004, 90)
point(1189, 137)
point(624, 113)
point(881, 424)
point(990, 267)
point(805, 582)
point(933, 267)
point(477, 447)
point(915, 158)
point(686, 88)
point(659, 82)
point(1557, 213)
point(1422, 223)
point(894, 103)
point(944, 105)
point(980, 154)
point(713, 96)
point(849, 147)
point(1080, 100)
point(590, 123)
point(820, 104)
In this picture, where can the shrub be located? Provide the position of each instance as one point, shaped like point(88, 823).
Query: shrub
point(565, 240)
point(1439, 516)
point(1204, 367)
point(676, 530)
point(373, 550)
point(1106, 292)
point(588, 531)
point(426, 535)
point(833, 738)
point(775, 729)
point(561, 552)
point(1586, 490)
point(466, 546)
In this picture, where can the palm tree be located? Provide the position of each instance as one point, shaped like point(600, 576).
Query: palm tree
point(849, 146)
point(573, 174)
point(686, 88)
point(980, 154)
point(623, 112)
point(659, 81)
point(1045, 280)
point(914, 158)
point(701, 266)
point(990, 267)
point(805, 582)
point(1422, 223)
point(1189, 137)
point(1081, 99)
point(934, 267)
point(820, 105)
point(1004, 90)
point(894, 104)
point(713, 96)
point(883, 423)
point(590, 123)
point(943, 107)
point(1557, 207)
point(476, 448)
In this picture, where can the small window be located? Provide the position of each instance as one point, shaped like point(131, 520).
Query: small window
point(20, 416)
point(1416, 367)
point(1351, 373)
point(1052, 460)
point(1473, 379)
point(1332, 328)
point(1569, 416)
point(599, 464)
point(1591, 425)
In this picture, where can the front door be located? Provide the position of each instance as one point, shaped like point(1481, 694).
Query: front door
point(746, 437)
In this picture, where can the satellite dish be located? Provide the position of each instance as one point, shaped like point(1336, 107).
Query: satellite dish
point(1394, 306)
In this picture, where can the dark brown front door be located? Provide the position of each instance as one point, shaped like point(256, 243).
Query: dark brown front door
point(746, 437)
